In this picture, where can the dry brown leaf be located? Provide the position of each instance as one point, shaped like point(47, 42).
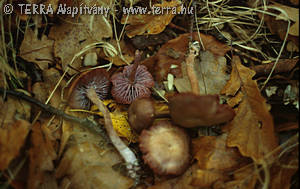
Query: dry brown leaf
point(12, 138)
point(151, 23)
point(127, 53)
point(252, 129)
point(211, 149)
point(205, 178)
point(215, 159)
point(86, 165)
point(211, 74)
point(244, 178)
point(86, 151)
point(183, 181)
point(173, 53)
point(73, 35)
point(41, 157)
point(42, 90)
point(14, 109)
point(39, 51)
point(279, 27)
point(292, 14)
point(288, 164)
point(283, 65)
point(232, 102)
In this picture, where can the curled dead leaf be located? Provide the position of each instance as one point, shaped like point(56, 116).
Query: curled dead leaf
point(252, 129)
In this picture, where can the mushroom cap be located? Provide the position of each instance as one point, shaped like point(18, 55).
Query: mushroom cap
point(97, 79)
point(199, 110)
point(141, 113)
point(125, 91)
point(166, 148)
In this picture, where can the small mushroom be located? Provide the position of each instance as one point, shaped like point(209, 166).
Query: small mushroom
point(97, 79)
point(134, 82)
point(191, 110)
point(165, 148)
point(143, 111)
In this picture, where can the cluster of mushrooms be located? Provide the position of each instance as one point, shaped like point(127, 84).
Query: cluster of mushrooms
point(164, 143)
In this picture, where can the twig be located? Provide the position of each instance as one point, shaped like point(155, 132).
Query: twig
point(125, 152)
point(85, 123)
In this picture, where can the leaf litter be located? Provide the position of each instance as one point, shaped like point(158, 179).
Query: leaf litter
point(237, 52)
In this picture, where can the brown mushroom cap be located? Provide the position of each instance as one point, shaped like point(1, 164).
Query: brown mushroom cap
point(166, 148)
point(141, 113)
point(190, 110)
point(97, 79)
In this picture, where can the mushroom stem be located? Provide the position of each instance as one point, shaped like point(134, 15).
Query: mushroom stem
point(190, 68)
point(125, 152)
point(137, 59)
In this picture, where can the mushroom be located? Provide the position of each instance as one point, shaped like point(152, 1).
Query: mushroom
point(143, 111)
point(97, 79)
point(199, 110)
point(91, 87)
point(165, 148)
point(134, 82)
point(141, 114)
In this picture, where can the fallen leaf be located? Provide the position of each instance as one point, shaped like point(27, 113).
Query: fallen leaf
point(119, 60)
point(73, 35)
point(279, 27)
point(87, 165)
point(292, 14)
point(283, 65)
point(143, 41)
point(42, 90)
point(119, 120)
point(205, 178)
point(211, 74)
point(151, 23)
point(210, 149)
point(252, 129)
point(245, 178)
point(39, 51)
point(41, 157)
point(12, 138)
point(183, 181)
point(172, 54)
point(14, 109)
point(121, 125)
point(288, 164)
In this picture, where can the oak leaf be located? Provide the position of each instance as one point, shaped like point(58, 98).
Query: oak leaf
point(73, 35)
point(151, 23)
point(252, 129)
point(38, 51)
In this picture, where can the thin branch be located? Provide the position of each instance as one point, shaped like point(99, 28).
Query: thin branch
point(85, 123)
